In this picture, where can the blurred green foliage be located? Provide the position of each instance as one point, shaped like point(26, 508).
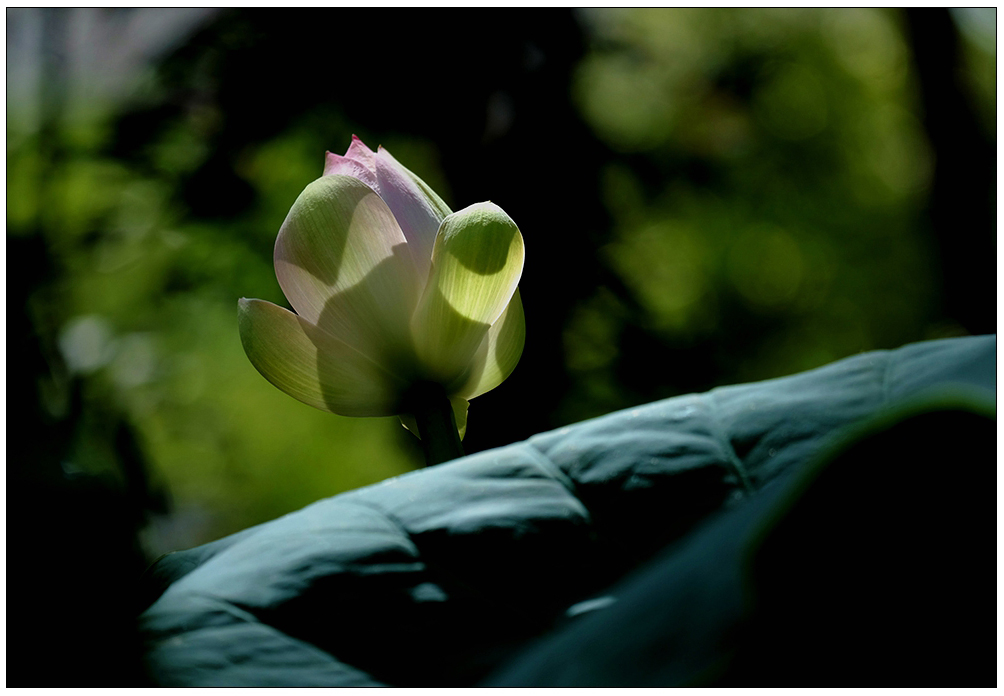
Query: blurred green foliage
point(231, 450)
point(783, 222)
point(768, 171)
point(143, 311)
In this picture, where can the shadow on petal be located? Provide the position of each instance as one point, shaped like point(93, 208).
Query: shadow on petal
point(499, 352)
point(336, 234)
point(287, 350)
point(374, 315)
point(446, 340)
point(472, 250)
point(314, 235)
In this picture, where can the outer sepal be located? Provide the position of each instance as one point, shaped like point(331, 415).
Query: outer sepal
point(311, 365)
point(460, 406)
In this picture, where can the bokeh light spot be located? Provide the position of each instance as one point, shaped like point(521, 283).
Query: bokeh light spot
point(792, 105)
point(664, 262)
point(766, 266)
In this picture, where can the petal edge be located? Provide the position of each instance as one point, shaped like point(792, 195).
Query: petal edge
point(418, 209)
point(500, 351)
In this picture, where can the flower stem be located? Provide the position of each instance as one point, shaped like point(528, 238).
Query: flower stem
point(436, 423)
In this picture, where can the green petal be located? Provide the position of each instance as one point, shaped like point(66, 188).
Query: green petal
point(476, 264)
point(460, 406)
point(311, 365)
point(499, 352)
point(343, 264)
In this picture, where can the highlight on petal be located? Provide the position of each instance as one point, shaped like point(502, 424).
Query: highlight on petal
point(311, 365)
point(342, 262)
point(417, 208)
point(499, 351)
point(460, 406)
point(476, 264)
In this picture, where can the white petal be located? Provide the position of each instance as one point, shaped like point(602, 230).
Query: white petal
point(337, 164)
point(417, 208)
point(342, 262)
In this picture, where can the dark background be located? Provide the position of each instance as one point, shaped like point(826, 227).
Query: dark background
point(706, 197)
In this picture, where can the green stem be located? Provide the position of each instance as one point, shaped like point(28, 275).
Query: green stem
point(437, 425)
